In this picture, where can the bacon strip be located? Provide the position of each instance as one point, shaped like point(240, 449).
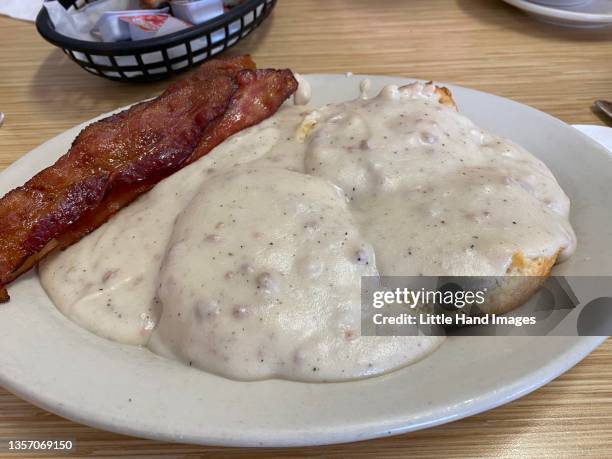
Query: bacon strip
point(113, 161)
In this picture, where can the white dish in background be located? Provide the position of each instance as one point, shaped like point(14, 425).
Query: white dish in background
point(601, 134)
point(592, 13)
point(560, 3)
point(61, 367)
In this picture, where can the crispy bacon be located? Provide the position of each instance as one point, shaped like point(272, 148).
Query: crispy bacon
point(113, 161)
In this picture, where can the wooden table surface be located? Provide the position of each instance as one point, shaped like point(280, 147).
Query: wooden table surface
point(484, 44)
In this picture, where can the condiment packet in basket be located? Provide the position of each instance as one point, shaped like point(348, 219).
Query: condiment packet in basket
point(111, 28)
point(78, 23)
point(145, 22)
point(196, 11)
point(145, 26)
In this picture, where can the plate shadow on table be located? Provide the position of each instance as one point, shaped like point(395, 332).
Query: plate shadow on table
point(503, 15)
point(60, 86)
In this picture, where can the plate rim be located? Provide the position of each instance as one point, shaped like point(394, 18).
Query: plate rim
point(559, 13)
point(571, 357)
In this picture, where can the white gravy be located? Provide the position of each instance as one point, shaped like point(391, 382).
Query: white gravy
point(107, 281)
point(435, 194)
point(247, 263)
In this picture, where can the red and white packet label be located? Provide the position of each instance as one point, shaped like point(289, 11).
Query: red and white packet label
point(146, 22)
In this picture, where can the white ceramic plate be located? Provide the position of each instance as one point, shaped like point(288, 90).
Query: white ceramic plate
point(592, 13)
point(53, 363)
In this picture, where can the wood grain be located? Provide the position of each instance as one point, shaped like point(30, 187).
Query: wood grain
point(484, 44)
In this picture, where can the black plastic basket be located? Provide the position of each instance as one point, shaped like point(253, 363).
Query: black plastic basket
point(157, 58)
